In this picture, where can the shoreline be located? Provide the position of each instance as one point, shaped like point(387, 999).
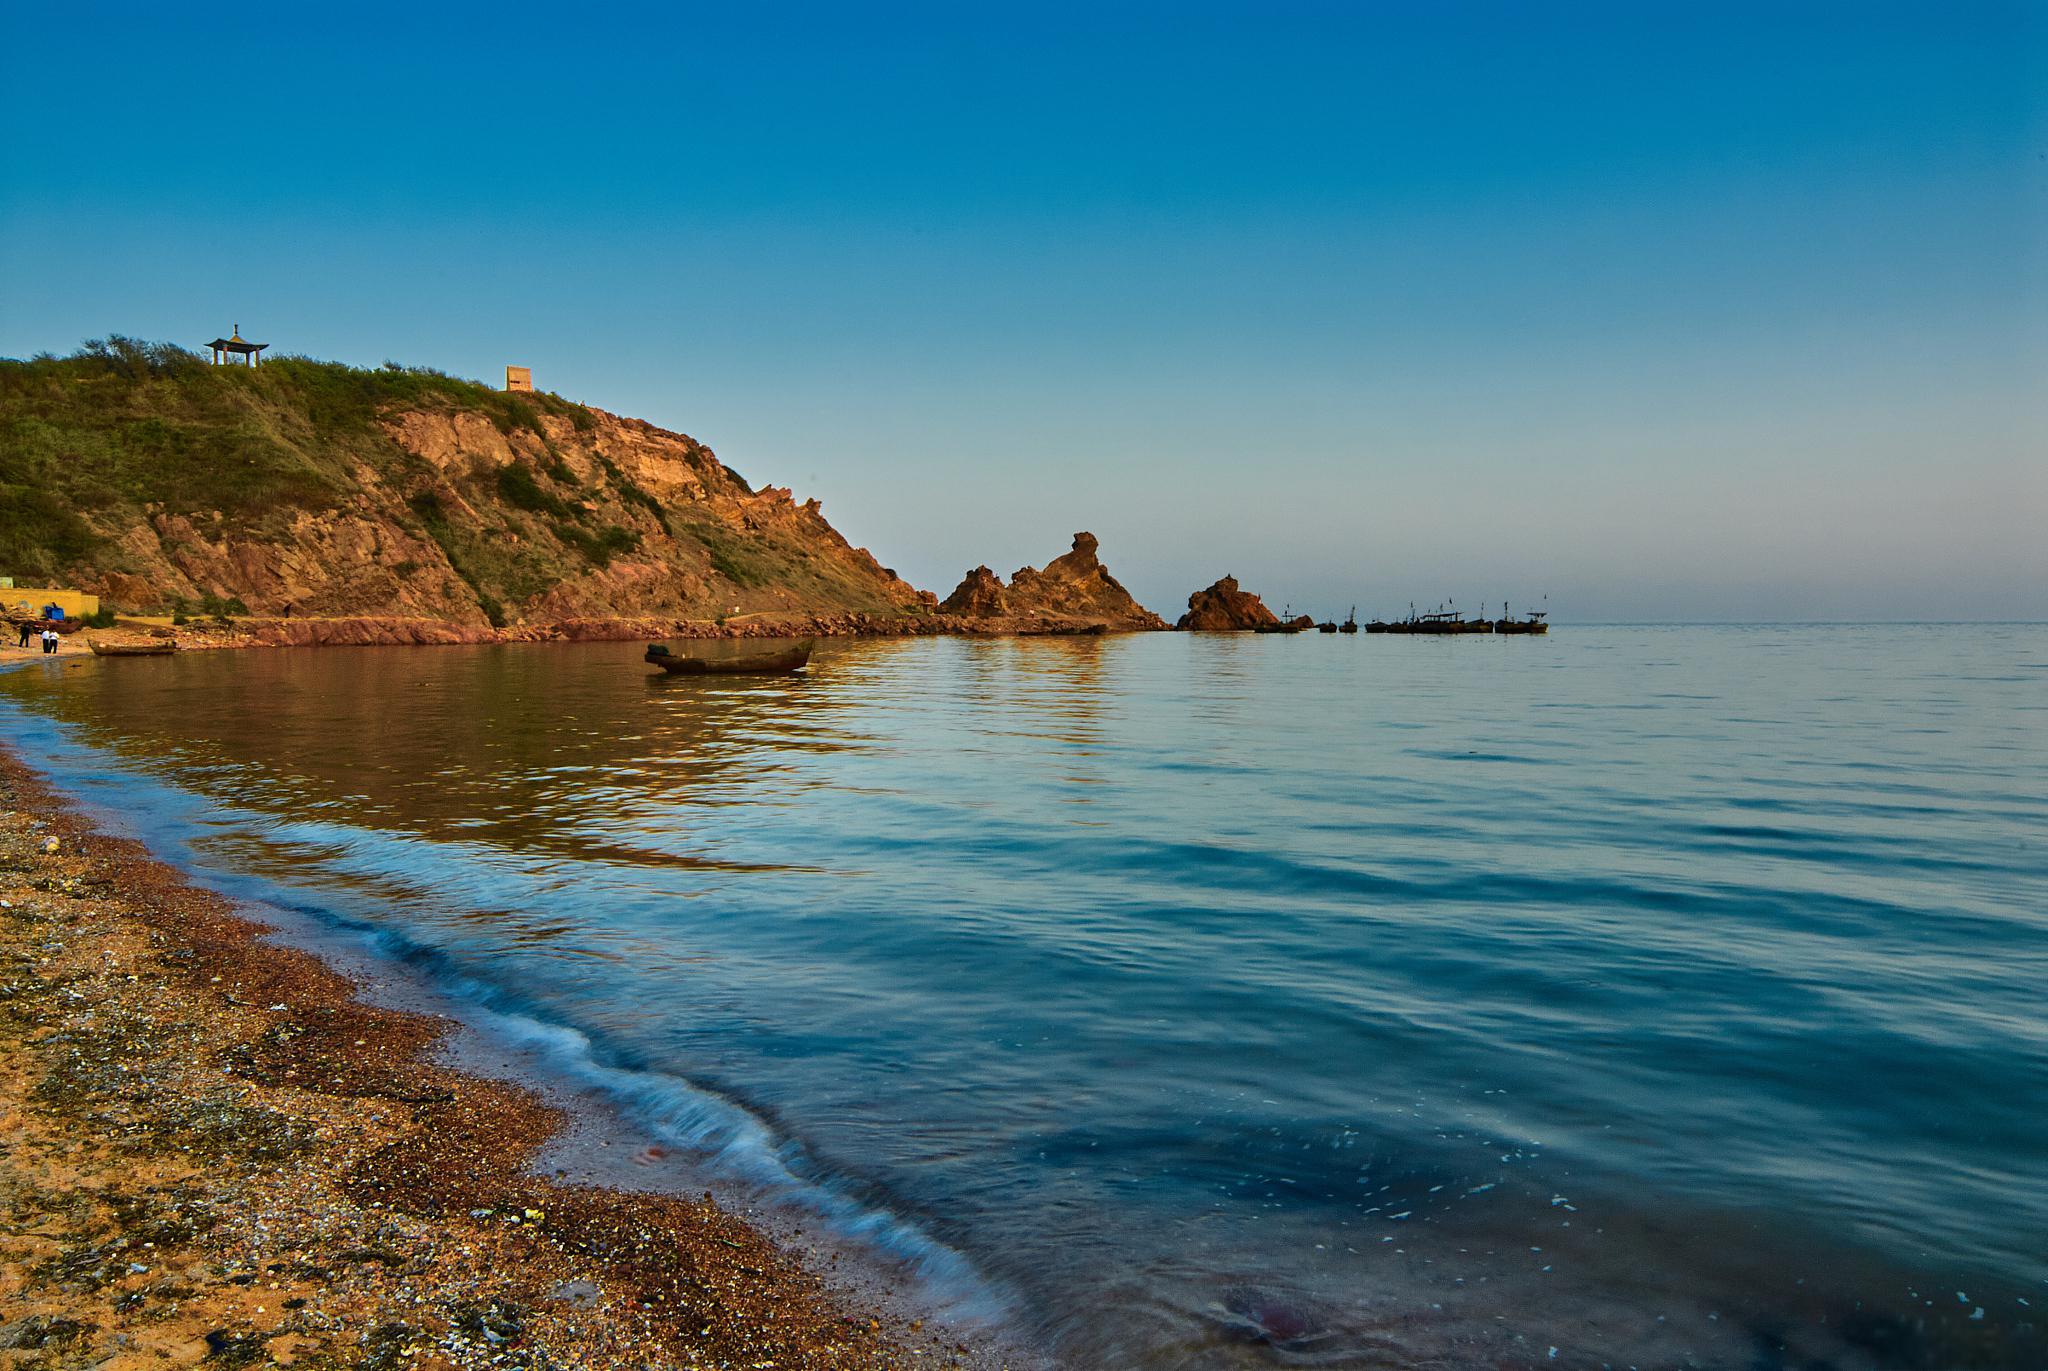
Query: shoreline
point(379, 631)
point(214, 1148)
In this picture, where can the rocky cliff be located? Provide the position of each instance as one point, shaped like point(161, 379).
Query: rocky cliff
point(1074, 592)
point(1223, 608)
point(310, 490)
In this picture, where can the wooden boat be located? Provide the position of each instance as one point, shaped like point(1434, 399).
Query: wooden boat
point(1508, 623)
point(751, 659)
point(1440, 624)
point(1533, 624)
point(159, 649)
point(1288, 623)
point(1350, 624)
point(1329, 627)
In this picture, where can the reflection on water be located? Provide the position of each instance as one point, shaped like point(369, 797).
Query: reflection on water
point(1663, 997)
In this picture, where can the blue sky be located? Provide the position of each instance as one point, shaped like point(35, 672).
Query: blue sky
point(1700, 312)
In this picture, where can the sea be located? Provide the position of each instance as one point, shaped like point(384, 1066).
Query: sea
point(1632, 996)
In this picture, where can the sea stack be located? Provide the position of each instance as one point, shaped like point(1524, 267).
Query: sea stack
point(1223, 608)
point(1075, 591)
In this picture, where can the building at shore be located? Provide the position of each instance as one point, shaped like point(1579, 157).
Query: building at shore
point(29, 601)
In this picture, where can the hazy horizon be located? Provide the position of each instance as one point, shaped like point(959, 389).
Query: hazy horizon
point(1726, 318)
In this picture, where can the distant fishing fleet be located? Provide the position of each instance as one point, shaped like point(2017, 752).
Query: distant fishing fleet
point(780, 657)
point(1444, 620)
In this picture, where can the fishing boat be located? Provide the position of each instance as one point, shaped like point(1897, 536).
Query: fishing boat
point(1350, 624)
point(157, 649)
point(729, 659)
point(64, 627)
point(1508, 623)
point(1288, 623)
point(1444, 621)
point(1329, 626)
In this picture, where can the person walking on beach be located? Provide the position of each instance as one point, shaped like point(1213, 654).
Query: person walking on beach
point(26, 629)
point(49, 640)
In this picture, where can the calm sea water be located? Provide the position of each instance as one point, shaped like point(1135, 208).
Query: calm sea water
point(1634, 996)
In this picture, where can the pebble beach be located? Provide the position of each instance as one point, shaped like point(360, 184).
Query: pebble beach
point(211, 1151)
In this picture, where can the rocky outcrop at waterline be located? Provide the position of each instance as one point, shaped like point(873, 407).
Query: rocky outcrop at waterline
point(980, 595)
point(1224, 608)
point(1074, 593)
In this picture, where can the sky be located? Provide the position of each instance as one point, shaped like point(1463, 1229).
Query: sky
point(1663, 312)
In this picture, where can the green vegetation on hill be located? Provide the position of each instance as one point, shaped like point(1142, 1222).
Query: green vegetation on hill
point(140, 466)
point(120, 426)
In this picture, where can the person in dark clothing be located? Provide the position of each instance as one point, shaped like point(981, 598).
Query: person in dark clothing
point(26, 629)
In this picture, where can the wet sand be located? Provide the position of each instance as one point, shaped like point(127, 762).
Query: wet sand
point(209, 1150)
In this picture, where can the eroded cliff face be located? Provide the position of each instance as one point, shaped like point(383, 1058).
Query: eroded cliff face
point(1074, 592)
point(578, 517)
point(1224, 608)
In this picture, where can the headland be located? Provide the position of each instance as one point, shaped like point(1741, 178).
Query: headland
point(308, 503)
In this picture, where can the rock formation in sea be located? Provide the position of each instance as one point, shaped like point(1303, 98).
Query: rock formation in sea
point(1223, 608)
point(1073, 593)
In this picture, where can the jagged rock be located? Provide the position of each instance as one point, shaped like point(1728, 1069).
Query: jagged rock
point(1223, 608)
point(1075, 593)
point(1078, 586)
point(979, 595)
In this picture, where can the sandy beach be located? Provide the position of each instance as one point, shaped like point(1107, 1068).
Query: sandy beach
point(213, 1152)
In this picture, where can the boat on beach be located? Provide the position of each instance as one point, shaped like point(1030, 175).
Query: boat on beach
point(64, 627)
point(728, 659)
point(158, 649)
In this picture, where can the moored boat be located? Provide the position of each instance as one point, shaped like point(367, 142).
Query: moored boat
point(1443, 622)
point(726, 659)
point(1350, 624)
point(1533, 624)
point(1288, 623)
point(159, 649)
point(1508, 623)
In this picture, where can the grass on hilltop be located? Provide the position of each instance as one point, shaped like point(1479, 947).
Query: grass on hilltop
point(121, 429)
point(97, 446)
